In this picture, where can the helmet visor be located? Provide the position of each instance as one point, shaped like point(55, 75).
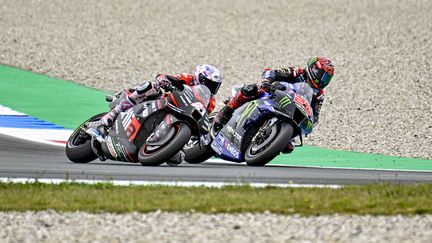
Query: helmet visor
point(321, 78)
point(325, 80)
point(213, 86)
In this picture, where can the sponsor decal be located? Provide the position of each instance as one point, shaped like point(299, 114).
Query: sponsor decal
point(303, 104)
point(217, 144)
point(111, 148)
point(116, 127)
point(145, 112)
point(125, 151)
point(183, 100)
point(231, 149)
point(220, 139)
point(284, 102)
point(206, 123)
point(153, 106)
point(233, 133)
point(217, 147)
point(126, 117)
point(173, 107)
point(118, 148)
point(248, 111)
point(188, 99)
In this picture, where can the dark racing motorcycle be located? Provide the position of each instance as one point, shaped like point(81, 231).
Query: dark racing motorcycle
point(151, 132)
point(259, 130)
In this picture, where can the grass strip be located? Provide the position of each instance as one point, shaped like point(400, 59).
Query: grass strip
point(375, 199)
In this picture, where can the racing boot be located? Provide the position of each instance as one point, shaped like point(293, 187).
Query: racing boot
point(125, 104)
point(289, 148)
point(222, 117)
point(108, 119)
point(244, 94)
point(96, 128)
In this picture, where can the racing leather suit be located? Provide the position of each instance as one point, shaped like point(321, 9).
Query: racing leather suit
point(149, 91)
point(271, 79)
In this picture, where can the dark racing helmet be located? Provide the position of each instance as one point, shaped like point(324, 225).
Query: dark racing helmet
point(209, 76)
point(319, 71)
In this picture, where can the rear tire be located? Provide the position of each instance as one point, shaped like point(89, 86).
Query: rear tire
point(196, 155)
point(80, 151)
point(272, 148)
point(160, 156)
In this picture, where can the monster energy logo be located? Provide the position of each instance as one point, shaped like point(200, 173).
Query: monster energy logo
point(248, 111)
point(284, 102)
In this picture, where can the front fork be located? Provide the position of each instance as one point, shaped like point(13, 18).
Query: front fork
point(268, 125)
point(265, 128)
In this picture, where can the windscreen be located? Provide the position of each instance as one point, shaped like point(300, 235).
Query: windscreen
point(304, 90)
point(202, 93)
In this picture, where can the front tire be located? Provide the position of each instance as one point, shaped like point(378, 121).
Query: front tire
point(165, 152)
point(78, 146)
point(271, 145)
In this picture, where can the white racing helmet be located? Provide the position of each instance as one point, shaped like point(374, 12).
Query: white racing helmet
point(209, 76)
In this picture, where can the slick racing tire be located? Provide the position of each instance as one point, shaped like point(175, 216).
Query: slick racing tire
point(155, 157)
point(265, 149)
point(78, 146)
point(194, 154)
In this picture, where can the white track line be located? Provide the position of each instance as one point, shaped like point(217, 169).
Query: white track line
point(163, 183)
point(220, 161)
point(9, 112)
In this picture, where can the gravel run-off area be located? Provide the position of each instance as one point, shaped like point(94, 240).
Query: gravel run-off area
point(49, 226)
point(379, 100)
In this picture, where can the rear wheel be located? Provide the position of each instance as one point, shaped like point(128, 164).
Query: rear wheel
point(268, 144)
point(78, 146)
point(156, 155)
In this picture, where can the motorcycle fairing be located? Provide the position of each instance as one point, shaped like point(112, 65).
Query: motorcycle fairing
point(228, 142)
point(119, 141)
point(194, 101)
point(133, 127)
point(231, 139)
point(164, 132)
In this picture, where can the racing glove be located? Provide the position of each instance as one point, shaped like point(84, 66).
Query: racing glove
point(267, 86)
point(163, 82)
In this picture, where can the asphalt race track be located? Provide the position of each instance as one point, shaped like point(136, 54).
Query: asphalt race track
point(25, 159)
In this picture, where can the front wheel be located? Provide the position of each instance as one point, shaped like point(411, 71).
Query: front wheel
point(78, 146)
point(268, 144)
point(153, 156)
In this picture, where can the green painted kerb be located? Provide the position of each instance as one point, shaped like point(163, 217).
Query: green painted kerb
point(313, 156)
point(61, 102)
point(68, 104)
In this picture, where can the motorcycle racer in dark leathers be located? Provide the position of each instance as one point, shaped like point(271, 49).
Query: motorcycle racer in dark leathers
point(205, 74)
point(318, 74)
